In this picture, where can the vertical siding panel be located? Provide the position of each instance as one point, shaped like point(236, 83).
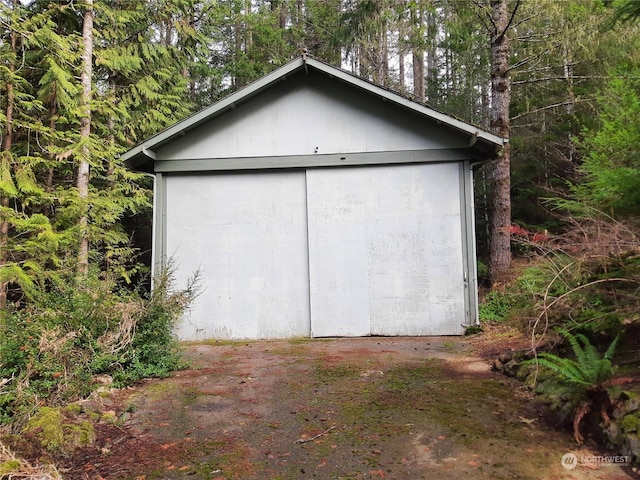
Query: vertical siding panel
point(386, 250)
point(246, 234)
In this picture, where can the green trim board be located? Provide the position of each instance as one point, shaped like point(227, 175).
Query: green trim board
point(304, 161)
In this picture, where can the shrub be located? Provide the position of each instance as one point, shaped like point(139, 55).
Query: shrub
point(53, 347)
point(483, 272)
point(587, 279)
point(495, 307)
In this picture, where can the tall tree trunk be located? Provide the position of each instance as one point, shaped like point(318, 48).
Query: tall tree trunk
point(364, 67)
point(500, 241)
point(384, 55)
point(432, 57)
point(418, 56)
point(82, 179)
point(7, 142)
point(248, 33)
point(402, 51)
point(401, 71)
point(282, 16)
point(568, 62)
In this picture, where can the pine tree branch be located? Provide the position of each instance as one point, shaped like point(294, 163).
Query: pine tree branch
point(483, 18)
point(525, 20)
point(513, 16)
point(524, 61)
point(504, 31)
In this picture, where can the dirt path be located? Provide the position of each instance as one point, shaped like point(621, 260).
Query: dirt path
point(397, 408)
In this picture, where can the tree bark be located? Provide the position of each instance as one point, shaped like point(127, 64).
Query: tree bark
point(7, 142)
point(432, 58)
point(417, 57)
point(401, 72)
point(500, 239)
point(384, 55)
point(83, 172)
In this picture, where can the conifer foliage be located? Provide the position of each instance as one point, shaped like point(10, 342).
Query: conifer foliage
point(80, 82)
point(611, 166)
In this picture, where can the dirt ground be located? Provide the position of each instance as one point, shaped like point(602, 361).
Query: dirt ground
point(367, 408)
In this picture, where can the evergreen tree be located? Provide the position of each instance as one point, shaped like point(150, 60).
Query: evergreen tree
point(611, 163)
point(83, 170)
point(560, 63)
point(78, 95)
point(500, 241)
point(28, 243)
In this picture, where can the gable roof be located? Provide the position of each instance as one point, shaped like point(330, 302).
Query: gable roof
point(483, 143)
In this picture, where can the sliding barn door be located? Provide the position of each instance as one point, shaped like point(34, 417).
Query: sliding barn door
point(385, 250)
point(246, 235)
point(323, 252)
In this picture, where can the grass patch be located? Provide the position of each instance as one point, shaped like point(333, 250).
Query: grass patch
point(334, 373)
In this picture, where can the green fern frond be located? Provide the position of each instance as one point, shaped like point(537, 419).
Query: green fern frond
point(578, 344)
point(612, 348)
point(12, 272)
point(26, 181)
point(561, 367)
point(7, 185)
point(589, 368)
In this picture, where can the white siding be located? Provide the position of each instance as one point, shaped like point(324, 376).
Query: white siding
point(306, 116)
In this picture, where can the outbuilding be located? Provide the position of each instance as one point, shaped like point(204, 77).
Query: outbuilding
point(314, 203)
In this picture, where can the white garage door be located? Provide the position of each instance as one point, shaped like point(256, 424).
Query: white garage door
point(385, 250)
point(247, 235)
point(326, 252)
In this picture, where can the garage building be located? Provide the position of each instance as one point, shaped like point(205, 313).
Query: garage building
point(315, 203)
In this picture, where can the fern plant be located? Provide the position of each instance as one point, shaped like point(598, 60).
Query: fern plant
point(578, 385)
point(589, 368)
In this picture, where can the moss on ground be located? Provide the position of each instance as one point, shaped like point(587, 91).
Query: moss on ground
point(58, 433)
point(9, 467)
point(631, 423)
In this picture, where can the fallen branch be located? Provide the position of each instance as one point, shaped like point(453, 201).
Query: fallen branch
point(306, 440)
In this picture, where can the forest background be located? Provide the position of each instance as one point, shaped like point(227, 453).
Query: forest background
point(82, 81)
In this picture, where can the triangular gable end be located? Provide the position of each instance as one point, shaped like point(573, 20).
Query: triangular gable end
point(308, 113)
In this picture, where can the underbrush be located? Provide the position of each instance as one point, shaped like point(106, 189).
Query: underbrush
point(586, 280)
point(496, 306)
point(578, 301)
point(11, 464)
point(56, 348)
